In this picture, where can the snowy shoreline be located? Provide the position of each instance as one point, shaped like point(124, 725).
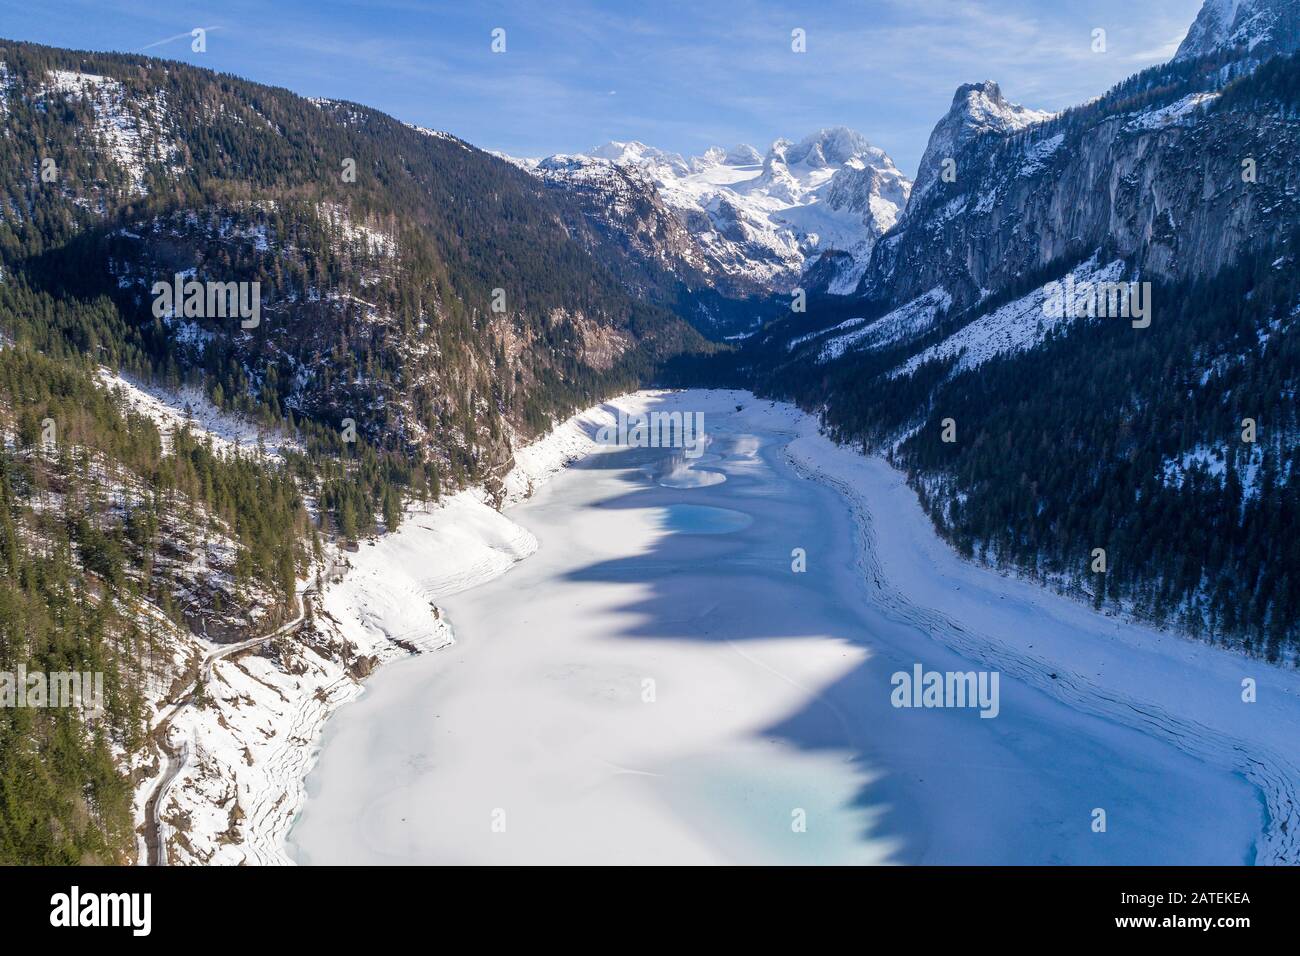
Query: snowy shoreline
point(1137, 692)
point(257, 738)
point(1105, 666)
point(384, 606)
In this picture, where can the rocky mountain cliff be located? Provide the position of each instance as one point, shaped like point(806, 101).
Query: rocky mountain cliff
point(1161, 172)
point(978, 109)
point(1035, 430)
point(1255, 29)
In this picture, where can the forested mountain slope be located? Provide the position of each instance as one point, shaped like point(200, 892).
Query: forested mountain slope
point(419, 305)
point(378, 247)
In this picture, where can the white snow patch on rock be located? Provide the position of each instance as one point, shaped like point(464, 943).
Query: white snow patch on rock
point(132, 127)
point(902, 323)
point(1014, 327)
point(171, 410)
point(1185, 110)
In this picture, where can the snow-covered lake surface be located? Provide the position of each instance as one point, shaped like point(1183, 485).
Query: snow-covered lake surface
point(656, 684)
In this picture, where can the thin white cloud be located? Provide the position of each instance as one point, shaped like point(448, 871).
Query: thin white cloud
point(187, 35)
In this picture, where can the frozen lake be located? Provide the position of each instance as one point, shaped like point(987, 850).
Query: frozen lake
point(657, 684)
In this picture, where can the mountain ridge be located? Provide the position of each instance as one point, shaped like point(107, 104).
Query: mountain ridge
point(763, 225)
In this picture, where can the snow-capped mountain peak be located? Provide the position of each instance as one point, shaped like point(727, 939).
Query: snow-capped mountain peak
point(742, 154)
point(766, 219)
point(982, 107)
point(635, 153)
point(828, 147)
point(1254, 26)
point(977, 109)
point(792, 170)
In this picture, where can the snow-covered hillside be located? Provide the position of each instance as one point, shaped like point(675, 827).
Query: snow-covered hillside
point(190, 408)
point(134, 130)
point(1015, 327)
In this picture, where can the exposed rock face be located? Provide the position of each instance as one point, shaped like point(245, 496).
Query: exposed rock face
point(620, 200)
point(1255, 28)
point(1162, 185)
point(978, 109)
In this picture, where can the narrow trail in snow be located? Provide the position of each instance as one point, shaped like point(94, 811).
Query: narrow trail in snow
point(155, 827)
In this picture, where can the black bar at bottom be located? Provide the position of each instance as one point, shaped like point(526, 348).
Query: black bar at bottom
point(216, 907)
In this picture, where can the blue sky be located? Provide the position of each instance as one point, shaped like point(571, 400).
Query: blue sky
point(679, 75)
